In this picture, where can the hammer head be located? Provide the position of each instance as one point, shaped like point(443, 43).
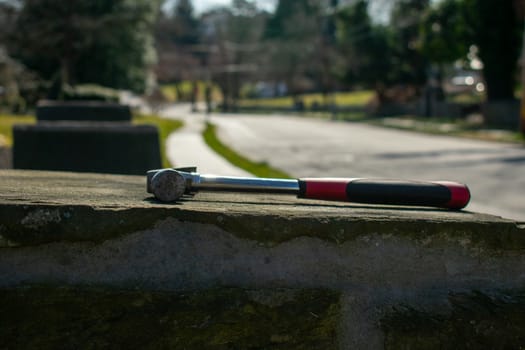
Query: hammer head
point(167, 185)
point(151, 173)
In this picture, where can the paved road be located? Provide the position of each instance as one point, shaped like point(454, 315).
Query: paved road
point(304, 147)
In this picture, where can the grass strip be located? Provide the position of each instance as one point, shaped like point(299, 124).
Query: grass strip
point(6, 126)
point(260, 169)
point(355, 98)
point(165, 127)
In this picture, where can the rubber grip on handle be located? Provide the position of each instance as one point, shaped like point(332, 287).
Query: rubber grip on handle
point(441, 194)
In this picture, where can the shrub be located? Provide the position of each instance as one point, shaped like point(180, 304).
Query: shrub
point(90, 92)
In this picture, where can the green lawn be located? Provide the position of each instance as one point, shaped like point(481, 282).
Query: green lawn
point(166, 127)
point(6, 126)
point(170, 92)
point(356, 98)
point(261, 169)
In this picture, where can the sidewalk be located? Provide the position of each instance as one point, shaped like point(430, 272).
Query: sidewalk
point(186, 147)
point(471, 128)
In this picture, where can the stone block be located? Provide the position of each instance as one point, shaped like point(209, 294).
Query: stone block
point(468, 320)
point(86, 147)
point(222, 318)
point(48, 110)
point(88, 260)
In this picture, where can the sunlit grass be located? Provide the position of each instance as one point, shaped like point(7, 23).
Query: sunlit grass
point(449, 126)
point(261, 169)
point(170, 91)
point(165, 127)
point(467, 98)
point(6, 126)
point(355, 98)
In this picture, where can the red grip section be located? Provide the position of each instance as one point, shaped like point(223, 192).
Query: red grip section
point(459, 194)
point(330, 189)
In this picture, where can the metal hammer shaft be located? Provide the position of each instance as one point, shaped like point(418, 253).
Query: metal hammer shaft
point(213, 182)
point(195, 181)
point(169, 185)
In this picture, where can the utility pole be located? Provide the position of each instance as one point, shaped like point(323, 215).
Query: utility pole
point(522, 106)
point(520, 7)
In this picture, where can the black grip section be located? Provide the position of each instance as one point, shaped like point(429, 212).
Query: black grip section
point(398, 193)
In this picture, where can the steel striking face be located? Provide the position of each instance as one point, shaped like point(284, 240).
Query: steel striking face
point(167, 185)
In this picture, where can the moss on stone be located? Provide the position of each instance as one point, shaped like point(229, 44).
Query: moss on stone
point(474, 321)
point(87, 318)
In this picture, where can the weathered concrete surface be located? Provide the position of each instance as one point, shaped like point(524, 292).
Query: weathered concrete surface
point(91, 207)
point(105, 230)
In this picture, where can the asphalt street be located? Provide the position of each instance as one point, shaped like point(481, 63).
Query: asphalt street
point(307, 147)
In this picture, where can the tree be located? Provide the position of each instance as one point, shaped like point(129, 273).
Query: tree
point(81, 41)
point(443, 40)
point(495, 29)
point(327, 55)
point(408, 63)
point(354, 34)
point(443, 33)
point(367, 49)
point(186, 25)
point(8, 11)
point(234, 34)
point(177, 37)
point(292, 38)
point(381, 55)
point(278, 24)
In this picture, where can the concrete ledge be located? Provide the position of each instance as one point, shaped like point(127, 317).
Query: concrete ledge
point(394, 271)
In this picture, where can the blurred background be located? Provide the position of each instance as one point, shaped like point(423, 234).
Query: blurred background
point(394, 52)
point(436, 66)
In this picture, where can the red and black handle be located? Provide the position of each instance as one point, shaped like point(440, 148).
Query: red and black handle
point(441, 194)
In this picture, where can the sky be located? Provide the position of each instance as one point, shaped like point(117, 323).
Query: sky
point(379, 9)
point(203, 5)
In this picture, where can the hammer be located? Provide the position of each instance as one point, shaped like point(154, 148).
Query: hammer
point(169, 185)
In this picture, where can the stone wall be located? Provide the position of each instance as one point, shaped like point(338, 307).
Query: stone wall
point(92, 260)
point(86, 136)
